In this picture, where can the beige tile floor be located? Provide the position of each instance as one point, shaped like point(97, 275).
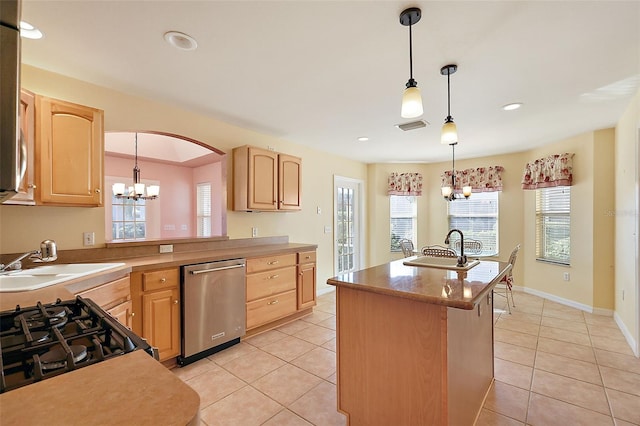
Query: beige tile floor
point(554, 365)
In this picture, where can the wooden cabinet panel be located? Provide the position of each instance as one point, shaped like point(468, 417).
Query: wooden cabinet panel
point(265, 180)
point(289, 182)
point(269, 309)
point(307, 257)
point(123, 313)
point(306, 285)
point(266, 263)
point(268, 283)
point(156, 280)
point(69, 153)
point(161, 324)
point(26, 189)
point(109, 294)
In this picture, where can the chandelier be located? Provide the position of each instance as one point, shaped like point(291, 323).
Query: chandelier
point(138, 190)
point(449, 191)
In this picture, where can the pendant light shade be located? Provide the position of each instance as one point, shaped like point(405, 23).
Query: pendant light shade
point(411, 103)
point(411, 99)
point(449, 129)
point(449, 133)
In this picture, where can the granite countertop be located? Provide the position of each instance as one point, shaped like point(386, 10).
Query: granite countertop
point(130, 389)
point(453, 289)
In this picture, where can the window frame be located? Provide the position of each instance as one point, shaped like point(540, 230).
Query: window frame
point(562, 209)
point(123, 203)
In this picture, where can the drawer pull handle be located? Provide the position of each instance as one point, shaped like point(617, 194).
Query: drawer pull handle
point(163, 280)
point(272, 262)
point(307, 257)
point(133, 314)
point(273, 277)
point(273, 302)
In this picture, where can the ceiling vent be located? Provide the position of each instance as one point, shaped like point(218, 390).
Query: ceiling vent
point(412, 125)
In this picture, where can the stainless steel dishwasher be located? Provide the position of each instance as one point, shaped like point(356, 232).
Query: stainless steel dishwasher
point(213, 308)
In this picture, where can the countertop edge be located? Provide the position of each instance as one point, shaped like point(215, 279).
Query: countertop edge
point(459, 304)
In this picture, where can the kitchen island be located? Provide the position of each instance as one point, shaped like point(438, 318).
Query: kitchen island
point(415, 344)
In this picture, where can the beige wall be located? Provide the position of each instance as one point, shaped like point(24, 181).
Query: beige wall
point(22, 227)
point(627, 216)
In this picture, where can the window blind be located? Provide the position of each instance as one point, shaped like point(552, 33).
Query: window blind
point(403, 218)
point(553, 224)
point(203, 209)
point(477, 218)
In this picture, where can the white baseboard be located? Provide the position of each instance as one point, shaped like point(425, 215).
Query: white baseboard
point(567, 302)
point(627, 335)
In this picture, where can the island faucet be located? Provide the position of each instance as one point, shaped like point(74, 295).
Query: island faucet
point(47, 253)
point(462, 259)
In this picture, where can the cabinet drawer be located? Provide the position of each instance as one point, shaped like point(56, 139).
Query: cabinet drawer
point(258, 264)
point(264, 284)
point(160, 279)
point(307, 257)
point(109, 294)
point(271, 308)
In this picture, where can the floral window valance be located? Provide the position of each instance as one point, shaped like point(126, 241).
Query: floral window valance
point(554, 170)
point(481, 179)
point(405, 184)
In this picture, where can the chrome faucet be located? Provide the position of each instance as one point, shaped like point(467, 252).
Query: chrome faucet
point(462, 259)
point(47, 253)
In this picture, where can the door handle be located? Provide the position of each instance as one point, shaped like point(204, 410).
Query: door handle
point(221, 268)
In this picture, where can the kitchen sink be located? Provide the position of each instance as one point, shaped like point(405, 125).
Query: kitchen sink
point(441, 263)
point(44, 276)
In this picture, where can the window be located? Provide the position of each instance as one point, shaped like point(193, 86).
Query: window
point(404, 215)
point(203, 207)
point(477, 218)
point(553, 224)
point(128, 219)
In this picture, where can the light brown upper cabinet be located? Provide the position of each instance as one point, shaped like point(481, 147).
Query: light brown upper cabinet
point(26, 193)
point(69, 153)
point(265, 180)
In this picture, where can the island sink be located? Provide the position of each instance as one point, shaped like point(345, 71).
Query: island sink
point(440, 263)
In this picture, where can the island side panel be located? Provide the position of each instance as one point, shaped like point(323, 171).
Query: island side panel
point(470, 369)
point(391, 359)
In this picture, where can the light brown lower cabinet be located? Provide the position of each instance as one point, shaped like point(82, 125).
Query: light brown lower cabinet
point(156, 296)
point(115, 298)
point(306, 279)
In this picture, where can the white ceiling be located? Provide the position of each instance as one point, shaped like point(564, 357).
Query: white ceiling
point(323, 73)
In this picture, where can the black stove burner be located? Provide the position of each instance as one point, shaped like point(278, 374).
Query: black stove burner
point(57, 356)
point(47, 340)
point(57, 317)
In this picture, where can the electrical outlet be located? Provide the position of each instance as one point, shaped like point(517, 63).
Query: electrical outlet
point(566, 276)
point(166, 248)
point(318, 210)
point(327, 229)
point(254, 231)
point(89, 239)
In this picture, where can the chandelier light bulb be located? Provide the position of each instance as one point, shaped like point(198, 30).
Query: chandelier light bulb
point(411, 103)
point(449, 132)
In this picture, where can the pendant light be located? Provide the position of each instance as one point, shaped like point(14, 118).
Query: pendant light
point(449, 130)
point(137, 191)
point(411, 99)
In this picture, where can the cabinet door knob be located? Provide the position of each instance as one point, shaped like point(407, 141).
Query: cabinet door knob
point(273, 302)
point(133, 314)
point(98, 190)
point(31, 186)
point(175, 302)
point(163, 280)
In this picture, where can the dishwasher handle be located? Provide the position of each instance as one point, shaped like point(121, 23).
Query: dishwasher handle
point(221, 268)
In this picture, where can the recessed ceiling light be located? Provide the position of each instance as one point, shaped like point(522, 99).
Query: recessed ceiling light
point(29, 31)
point(511, 107)
point(180, 40)
point(363, 139)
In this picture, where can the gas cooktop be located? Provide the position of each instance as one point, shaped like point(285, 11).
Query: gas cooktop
point(47, 340)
